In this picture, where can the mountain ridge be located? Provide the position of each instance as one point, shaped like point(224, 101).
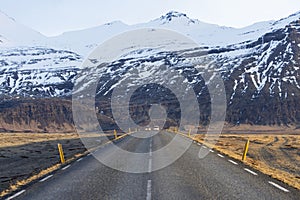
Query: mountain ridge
point(200, 32)
point(260, 66)
point(11, 29)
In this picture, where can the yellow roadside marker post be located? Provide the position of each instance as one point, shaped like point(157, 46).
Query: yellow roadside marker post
point(61, 153)
point(246, 150)
point(115, 134)
point(190, 132)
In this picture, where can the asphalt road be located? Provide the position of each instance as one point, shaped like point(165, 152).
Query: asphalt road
point(213, 177)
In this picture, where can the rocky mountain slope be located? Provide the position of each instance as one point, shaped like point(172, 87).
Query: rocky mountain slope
point(259, 65)
point(37, 71)
point(264, 78)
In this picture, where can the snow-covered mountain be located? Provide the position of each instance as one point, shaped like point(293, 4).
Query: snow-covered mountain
point(259, 64)
point(37, 71)
point(84, 41)
point(204, 34)
point(14, 34)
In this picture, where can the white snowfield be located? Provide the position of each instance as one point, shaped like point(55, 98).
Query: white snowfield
point(83, 41)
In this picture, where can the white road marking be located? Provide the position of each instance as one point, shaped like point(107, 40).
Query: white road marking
point(15, 195)
point(80, 159)
point(278, 186)
point(66, 167)
point(150, 165)
point(148, 197)
point(150, 159)
point(46, 178)
point(89, 154)
point(199, 144)
point(251, 172)
point(235, 163)
point(211, 150)
point(204, 147)
point(220, 155)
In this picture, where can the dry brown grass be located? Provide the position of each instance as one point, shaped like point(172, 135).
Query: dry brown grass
point(276, 155)
point(17, 139)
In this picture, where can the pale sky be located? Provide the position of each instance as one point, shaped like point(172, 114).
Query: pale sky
point(53, 17)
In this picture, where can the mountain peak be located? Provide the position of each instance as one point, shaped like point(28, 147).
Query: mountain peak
point(117, 22)
point(170, 16)
point(173, 14)
point(14, 33)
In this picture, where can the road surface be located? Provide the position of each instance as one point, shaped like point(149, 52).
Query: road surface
point(214, 177)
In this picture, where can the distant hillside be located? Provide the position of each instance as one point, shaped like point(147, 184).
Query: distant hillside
point(259, 64)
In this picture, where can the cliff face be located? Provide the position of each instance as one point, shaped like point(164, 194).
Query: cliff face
point(36, 115)
point(47, 115)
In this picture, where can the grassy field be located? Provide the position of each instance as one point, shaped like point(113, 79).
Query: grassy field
point(17, 139)
point(277, 155)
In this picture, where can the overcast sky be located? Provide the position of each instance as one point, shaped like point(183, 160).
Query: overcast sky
point(52, 17)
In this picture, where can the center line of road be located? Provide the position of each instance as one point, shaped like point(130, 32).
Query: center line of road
point(150, 165)
point(251, 172)
point(235, 163)
point(150, 158)
point(15, 195)
point(278, 186)
point(66, 167)
point(220, 155)
point(46, 178)
point(148, 197)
